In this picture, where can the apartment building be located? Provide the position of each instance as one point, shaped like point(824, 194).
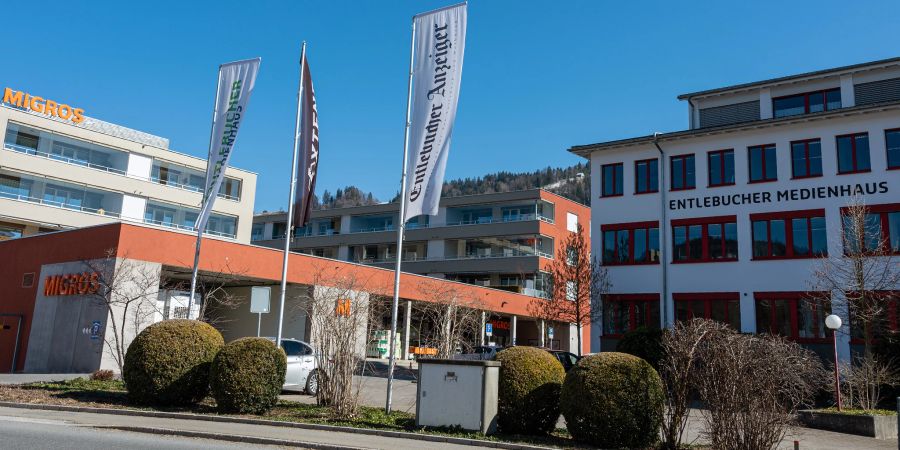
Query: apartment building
point(502, 240)
point(727, 220)
point(59, 170)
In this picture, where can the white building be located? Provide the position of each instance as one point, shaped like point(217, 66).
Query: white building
point(750, 195)
point(60, 169)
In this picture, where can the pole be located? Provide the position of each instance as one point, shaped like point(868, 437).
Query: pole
point(291, 197)
point(400, 229)
point(259, 325)
point(212, 128)
point(837, 376)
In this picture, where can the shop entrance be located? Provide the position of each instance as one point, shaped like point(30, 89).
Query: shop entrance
point(10, 336)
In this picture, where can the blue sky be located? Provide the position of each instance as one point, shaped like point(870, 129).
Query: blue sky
point(538, 77)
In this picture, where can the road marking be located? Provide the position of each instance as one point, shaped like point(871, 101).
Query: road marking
point(33, 420)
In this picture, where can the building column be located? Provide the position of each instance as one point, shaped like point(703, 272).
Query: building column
point(406, 330)
point(482, 328)
point(512, 330)
point(541, 339)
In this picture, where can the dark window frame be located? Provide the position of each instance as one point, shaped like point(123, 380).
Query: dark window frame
point(633, 301)
point(806, 159)
point(837, 153)
point(722, 167)
point(765, 176)
point(793, 299)
point(806, 96)
point(632, 228)
point(887, 154)
point(647, 166)
point(883, 211)
point(708, 298)
point(788, 218)
point(684, 172)
point(617, 183)
point(704, 223)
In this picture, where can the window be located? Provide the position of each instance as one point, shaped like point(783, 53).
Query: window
point(796, 234)
point(683, 172)
point(230, 189)
point(626, 312)
point(885, 325)
point(256, 232)
point(806, 158)
point(612, 180)
point(15, 187)
point(882, 227)
point(704, 240)
point(723, 307)
point(572, 222)
point(646, 176)
point(10, 231)
point(853, 153)
point(631, 243)
point(763, 163)
point(721, 167)
point(806, 103)
point(892, 142)
point(279, 230)
point(795, 315)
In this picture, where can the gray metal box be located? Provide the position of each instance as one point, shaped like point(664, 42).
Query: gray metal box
point(458, 393)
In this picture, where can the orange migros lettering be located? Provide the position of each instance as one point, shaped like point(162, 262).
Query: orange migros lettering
point(43, 106)
point(71, 284)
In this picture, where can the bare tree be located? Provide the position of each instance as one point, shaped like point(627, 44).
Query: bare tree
point(752, 386)
point(863, 275)
point(340, 313)
point(862, 381)
point(453, 318)
point(681, 347)
point(214, 293)
point(575, 279)
point(127, 289)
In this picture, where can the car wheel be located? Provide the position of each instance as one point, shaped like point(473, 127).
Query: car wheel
point(312, 383)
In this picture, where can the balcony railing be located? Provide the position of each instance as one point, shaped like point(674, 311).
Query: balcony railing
point(512, 254)
point(30, 151)
point(488, 220)
point(373, 229)
point(178, 226)
point(56, 204)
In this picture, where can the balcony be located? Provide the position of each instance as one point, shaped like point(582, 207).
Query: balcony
point(58, 194)
point(182, 218)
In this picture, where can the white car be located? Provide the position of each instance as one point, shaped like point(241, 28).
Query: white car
point(302, 374)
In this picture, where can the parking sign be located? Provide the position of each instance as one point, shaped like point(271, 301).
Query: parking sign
point(488, 329)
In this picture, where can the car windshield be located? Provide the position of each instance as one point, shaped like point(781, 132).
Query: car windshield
point(292, 348)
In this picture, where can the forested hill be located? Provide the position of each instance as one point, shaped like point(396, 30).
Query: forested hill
point(572, 182)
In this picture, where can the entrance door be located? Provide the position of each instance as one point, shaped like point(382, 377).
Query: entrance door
point(9, 341)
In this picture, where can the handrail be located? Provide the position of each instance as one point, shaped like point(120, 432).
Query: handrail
point(55, 204)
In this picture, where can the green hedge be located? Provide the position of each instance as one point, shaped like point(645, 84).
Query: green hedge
point(644, 343)
point(613, 400)
point(168, 363)
point(247, 375)
point(530, 382)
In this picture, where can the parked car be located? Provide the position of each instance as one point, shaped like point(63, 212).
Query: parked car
point(302, 374)
point(482, 353)
point(568, 360)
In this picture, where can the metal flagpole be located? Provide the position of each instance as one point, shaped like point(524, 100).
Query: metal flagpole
point(290, 213)
point(212, 128)
point(396, 302)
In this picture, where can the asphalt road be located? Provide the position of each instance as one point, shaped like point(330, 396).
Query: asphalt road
point(32, 434)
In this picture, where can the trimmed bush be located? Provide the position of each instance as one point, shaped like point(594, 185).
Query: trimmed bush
point(613, 400)
point(529, 385)
point(247, 375)
point(168, 363)
point(644, 343)
point(102, 375)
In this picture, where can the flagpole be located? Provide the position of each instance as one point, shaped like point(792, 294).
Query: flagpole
point(212, 129)
point(400, 230)
point(291, 198)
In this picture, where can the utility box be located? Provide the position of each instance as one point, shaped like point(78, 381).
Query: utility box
point(459, 393)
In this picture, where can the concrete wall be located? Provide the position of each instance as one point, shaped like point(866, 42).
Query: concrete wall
point(240, 322)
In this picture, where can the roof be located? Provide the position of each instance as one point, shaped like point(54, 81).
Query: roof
point(586, 150)
point(815, 74)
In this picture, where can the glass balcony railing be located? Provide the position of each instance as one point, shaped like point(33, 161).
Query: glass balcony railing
point(57, 204)
point(78, 162)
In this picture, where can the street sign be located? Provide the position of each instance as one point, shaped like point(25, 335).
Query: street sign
point(95, 330)
point(488, 329)
point(550, 332)
point(259, 299)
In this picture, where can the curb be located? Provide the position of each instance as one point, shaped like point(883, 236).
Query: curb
point(273, 423)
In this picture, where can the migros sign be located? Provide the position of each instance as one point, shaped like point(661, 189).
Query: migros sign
point(43, 106)
point(72, 284)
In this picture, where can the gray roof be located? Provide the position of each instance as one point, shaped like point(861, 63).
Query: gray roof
point(814, 74)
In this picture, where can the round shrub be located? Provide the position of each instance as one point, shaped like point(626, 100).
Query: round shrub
point(529, 385)
point(644, 343)
point(247, 376)
point(168, 363)
point(613, 400)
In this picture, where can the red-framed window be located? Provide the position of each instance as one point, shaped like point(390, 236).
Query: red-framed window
point(882, 227)
point(763, 163)
point(646, 176)
point(789, 234)
point(612, 180)
point(806, 158)
point(630, 243)
point(720, 164)
point(807, 102)
point(683, 174)
point(853, 153)
point(626, 312)
point(723, 307)
point(892, 147)
point(799, 316)
point(888, 322)
point(704, 239)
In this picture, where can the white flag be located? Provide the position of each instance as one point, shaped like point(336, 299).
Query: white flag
point(236, 82)
point(440, 42)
